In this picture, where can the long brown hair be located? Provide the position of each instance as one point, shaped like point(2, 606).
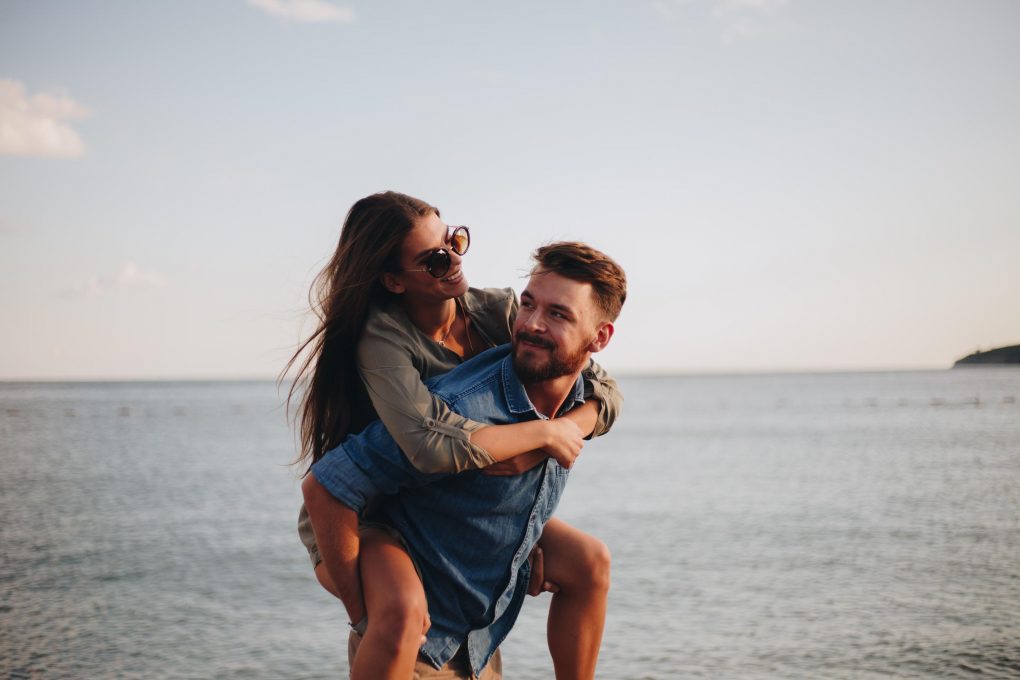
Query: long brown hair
point(334, 402)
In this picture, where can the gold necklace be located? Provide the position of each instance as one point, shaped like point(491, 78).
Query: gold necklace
point(442, 341)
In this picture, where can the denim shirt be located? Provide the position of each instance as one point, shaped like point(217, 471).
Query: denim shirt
point(469, 534)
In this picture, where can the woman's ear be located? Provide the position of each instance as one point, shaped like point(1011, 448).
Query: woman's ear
point(392, 283)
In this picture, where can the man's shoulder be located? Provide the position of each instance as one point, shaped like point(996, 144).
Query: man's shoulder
point(480, 371)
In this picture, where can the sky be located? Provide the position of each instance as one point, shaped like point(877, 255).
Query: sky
point(790, 185)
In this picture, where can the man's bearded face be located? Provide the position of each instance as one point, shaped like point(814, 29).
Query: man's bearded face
point(538, 358)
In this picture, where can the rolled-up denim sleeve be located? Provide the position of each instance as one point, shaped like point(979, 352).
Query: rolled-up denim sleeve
point(598, 385)
point(433, 437)
point(345, 480)
point(365, 466)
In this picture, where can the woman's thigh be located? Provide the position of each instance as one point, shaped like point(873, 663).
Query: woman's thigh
point(389, 581)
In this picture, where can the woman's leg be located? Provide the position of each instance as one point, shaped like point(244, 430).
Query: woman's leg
point(579, 564)
point(397, 611)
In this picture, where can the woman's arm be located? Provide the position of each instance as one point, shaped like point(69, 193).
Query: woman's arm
point(585, 417)
point(559, 438)
point(431, 435)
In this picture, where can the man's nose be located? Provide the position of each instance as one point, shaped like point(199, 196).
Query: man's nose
point(534, 322)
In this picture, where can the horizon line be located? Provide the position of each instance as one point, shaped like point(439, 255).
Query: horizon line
point(636, 373)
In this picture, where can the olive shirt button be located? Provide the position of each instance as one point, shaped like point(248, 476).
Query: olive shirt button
point(430, 422)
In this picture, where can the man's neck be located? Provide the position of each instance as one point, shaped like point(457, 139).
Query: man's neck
point(548, 396)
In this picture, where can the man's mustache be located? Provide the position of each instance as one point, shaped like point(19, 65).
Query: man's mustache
point(535, 340)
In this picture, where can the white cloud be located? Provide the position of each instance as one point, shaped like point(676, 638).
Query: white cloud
point(737, 18)
point(744, 18)
point(34, 125)
point(667, 8)
point(311, 11)
point(756, 5)
point(129, 276)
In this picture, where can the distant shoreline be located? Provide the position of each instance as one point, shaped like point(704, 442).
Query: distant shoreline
point(993, 357)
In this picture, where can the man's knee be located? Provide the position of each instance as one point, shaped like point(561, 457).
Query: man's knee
point(595, 562)
point(601, 563)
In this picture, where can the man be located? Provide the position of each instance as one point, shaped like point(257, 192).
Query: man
point(469, 535)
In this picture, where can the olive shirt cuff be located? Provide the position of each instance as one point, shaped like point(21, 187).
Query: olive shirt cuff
point(593, 389)
point(456, 427)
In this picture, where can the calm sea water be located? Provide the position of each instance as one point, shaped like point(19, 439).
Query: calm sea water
point(768, 526)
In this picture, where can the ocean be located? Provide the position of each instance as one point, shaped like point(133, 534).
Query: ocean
point(846, 525)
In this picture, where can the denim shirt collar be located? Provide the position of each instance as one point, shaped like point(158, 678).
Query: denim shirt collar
point(517, 399)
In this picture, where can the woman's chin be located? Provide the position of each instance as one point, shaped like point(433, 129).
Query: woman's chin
point(458, 286)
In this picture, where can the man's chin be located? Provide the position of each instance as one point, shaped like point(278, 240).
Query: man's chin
point(529, 372)
point(530, 369)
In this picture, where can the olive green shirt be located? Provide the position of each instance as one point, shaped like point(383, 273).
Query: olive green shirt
point(395, 357)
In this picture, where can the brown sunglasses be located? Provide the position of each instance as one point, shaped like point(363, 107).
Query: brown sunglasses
point(438, 261)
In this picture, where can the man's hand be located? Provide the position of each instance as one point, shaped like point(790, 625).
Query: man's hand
point(516, 465)
point(564, 441)
point(537, 583)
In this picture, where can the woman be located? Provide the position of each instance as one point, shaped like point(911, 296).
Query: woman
point(395, 309)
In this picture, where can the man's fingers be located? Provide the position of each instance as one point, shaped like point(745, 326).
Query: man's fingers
point(537, 580)
point(426, 624)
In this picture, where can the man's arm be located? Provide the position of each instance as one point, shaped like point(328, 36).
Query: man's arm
point(336, 533)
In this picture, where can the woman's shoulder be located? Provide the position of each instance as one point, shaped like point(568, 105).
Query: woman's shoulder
point(386, 315)
point(486, 299)
point(386, 325)
point(493, 311)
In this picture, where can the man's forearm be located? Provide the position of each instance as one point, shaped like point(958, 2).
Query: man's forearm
point(336, 534)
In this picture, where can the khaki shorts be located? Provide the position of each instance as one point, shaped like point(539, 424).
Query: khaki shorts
point(456, 669)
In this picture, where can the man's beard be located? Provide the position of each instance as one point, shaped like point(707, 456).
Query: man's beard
point(555, 366)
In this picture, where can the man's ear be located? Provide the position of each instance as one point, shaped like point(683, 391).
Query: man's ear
point(392, 283)
point(603, 334)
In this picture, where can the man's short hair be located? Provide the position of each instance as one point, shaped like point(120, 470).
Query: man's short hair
point(581, 262)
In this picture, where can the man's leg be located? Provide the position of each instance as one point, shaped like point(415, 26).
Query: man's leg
point(397, 611)
point(579, 564)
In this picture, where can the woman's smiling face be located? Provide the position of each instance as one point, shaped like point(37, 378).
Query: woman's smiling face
point(428, 234)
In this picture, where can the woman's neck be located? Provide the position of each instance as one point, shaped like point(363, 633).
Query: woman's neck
point(433, 320)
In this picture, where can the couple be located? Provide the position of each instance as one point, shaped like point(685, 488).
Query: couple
point(469, 490)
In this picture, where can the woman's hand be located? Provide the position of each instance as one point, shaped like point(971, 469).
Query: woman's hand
point(564, 441)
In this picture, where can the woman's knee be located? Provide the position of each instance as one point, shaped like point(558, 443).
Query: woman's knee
point(401, 613)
